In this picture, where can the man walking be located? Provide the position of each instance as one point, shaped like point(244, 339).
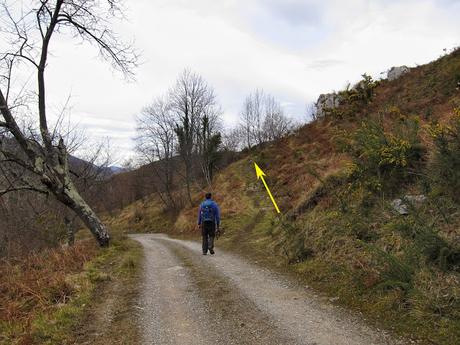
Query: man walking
point(209, 220)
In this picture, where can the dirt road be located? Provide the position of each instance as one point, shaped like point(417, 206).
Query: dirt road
point(188, 298)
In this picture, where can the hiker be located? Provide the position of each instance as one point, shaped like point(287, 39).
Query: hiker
point(209, 220)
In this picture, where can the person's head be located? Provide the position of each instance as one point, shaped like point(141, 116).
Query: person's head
point(208, 196)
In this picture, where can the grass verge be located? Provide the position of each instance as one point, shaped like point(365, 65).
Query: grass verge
point(60, 295)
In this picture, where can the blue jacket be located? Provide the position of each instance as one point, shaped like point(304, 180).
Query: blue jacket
point(214, 205)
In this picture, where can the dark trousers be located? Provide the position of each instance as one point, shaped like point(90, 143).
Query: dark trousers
point(208, 232)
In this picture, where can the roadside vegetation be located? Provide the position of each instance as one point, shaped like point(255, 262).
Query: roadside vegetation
point(62, 296)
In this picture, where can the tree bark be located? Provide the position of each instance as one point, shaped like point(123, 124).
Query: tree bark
point(69, 223)
point(72, 199)
point(187, 182)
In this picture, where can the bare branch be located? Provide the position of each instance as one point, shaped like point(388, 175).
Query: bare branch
point(123, 57)
point(30, 26)
point(23, 188)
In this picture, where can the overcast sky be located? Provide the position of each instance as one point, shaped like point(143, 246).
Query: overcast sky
point(293, 49)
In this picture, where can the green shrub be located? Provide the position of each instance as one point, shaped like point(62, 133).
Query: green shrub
point(396, 273)
point(446, 163)
point(353, 99)
point(382, 160)
point(426, 241)
point(358, 227)
point(435, 295)
point(292, 242)
point(363, 92)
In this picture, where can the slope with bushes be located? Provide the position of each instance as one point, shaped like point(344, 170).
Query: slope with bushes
point(337, 181)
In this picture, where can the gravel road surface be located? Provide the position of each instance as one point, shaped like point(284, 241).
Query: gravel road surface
point(189, 298)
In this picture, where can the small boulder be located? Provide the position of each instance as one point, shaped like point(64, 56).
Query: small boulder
point(396, 72)
point(401, 205)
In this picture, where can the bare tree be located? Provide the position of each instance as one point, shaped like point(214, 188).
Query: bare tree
point(233, 139)
point(192, 99)
point(29, 28)
point(208, 146)
point(262, 119)
point(276, 125)
point(252, 118)
point(156, 144)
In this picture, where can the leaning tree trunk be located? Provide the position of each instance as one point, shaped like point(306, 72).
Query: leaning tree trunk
point(50, 164)
point(57, 179)
point(72, 199)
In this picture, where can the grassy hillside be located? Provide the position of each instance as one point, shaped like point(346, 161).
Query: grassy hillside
point(336, 180)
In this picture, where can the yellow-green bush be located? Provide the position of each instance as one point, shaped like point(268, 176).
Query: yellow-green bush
point(382, 159)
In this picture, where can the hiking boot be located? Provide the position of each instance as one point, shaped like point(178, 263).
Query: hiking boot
point(205, 253)
point(211, 251)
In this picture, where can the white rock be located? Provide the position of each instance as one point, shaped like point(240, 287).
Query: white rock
point(325, 102)
point(396, 72)
point(400, 205)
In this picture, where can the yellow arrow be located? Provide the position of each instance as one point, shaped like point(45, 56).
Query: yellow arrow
point(261, 174)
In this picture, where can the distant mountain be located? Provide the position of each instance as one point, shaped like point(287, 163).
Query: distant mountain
point(107, 172)
point(116, 169)
point(76, 164)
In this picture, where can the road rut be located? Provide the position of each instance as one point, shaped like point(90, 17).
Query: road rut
point(188, 298)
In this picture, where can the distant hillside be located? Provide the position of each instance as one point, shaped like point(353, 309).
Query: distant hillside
point(105, 171)
point(128, 186)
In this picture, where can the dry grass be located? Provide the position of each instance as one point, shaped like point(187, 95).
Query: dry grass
point(63, 295)
point(35, 285)
point(110, 317)
point(145, 215)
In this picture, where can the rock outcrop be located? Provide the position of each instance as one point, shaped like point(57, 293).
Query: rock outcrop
point(325, 102)
point(396, 72)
